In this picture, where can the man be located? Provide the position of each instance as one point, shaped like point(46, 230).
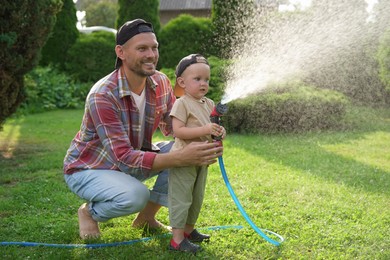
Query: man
point(113, 153)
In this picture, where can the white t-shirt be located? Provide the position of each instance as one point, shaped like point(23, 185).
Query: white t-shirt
point(140, 101)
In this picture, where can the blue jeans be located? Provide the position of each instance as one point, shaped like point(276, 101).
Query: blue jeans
point(113, 193)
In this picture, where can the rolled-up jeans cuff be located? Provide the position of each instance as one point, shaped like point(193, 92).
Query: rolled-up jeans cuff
point(94, 214)
point(159, 198)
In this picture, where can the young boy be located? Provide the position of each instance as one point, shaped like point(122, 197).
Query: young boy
point(191, 122)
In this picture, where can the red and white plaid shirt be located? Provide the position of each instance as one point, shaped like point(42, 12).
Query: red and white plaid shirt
point(109, 137)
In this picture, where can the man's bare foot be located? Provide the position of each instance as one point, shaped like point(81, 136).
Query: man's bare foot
point(141, 222)
point(146, 218)
point(89, 228)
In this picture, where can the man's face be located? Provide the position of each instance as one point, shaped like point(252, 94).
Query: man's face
point(140, 54)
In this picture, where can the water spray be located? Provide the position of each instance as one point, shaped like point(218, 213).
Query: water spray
point(215, 117)
point(310, 41)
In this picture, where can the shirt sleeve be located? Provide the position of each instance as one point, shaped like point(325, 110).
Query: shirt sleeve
point(179, 110)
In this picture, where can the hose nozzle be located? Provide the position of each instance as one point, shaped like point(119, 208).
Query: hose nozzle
point(218, 111)
point(215, 116)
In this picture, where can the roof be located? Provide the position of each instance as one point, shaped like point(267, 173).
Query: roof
point(169, 5)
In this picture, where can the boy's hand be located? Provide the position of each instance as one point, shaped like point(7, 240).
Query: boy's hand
point(223, 131)
point(215, 129)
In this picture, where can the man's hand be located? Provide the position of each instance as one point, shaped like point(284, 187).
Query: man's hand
point(194, 154)
point(200, 153)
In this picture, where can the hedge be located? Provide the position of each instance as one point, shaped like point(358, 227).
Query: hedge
point(292, 109)
point(91, 57)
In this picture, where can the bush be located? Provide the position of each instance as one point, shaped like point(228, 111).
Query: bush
point(48, 89)
point(290, 109)
point(92, 56)
point(182, 36)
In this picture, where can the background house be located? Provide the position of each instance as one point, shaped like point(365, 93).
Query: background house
point(170, 9)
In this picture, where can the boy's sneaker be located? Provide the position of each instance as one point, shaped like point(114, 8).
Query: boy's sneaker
point(195, 236)
point(184, 246)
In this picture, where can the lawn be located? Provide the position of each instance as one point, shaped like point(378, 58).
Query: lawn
point(326, 193)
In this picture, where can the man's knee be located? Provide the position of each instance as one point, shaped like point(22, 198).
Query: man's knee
point(134, 200)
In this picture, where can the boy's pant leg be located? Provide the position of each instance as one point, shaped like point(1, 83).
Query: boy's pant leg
point(181, 185)
point(159, 192)
point(197, 195)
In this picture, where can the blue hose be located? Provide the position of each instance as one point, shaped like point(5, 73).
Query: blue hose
point(93, 246)
point(242, 211)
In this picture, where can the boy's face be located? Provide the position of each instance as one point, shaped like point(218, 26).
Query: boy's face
point(195, 80)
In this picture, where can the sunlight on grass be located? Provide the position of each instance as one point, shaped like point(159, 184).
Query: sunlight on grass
point(373, 150)
point(9, 138)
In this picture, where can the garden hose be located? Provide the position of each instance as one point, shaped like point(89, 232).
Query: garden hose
point(242, 211)
point(94, 246)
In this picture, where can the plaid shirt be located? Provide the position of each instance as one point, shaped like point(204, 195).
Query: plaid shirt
point(109, 137)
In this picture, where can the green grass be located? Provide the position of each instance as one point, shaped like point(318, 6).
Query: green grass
point(326, 193)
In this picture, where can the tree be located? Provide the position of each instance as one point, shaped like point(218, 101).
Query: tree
point(144, 9)
point(103, 13)
point(24, 28)
point(63, 36)
point(230, 19)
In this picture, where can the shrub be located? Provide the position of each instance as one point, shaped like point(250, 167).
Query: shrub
point(92, 56)
point(182, 36)
point(290, 109)
point(48, 89)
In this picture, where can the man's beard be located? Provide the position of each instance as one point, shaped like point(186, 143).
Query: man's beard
point(141, 72)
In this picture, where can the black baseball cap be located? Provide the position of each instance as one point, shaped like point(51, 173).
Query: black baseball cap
point(128, 30)
point(183, 65)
